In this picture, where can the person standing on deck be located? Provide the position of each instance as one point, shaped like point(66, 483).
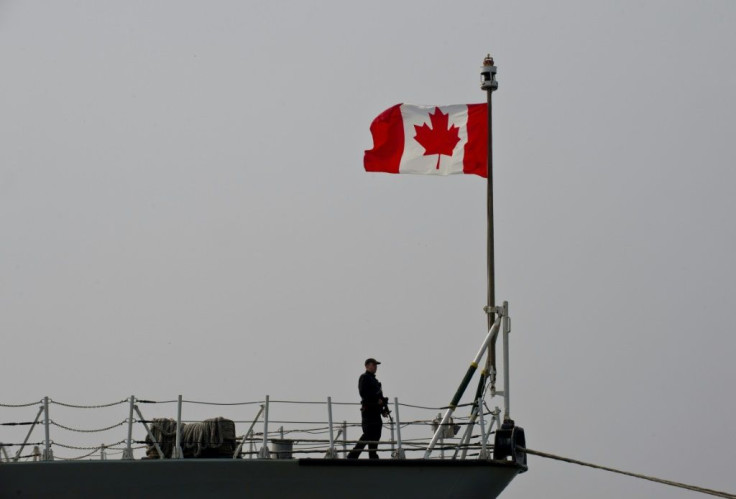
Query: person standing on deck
point(372, 405)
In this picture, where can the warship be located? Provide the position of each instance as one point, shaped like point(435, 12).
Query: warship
point(432, 452)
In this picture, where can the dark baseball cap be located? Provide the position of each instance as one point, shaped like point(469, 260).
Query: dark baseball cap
point(371, 360)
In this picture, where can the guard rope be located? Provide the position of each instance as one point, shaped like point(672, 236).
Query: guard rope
point(22, 405)
point(75, 447)
point(61, 458)
point(78, 430)
point(681, 485)
point(99, 406)
point(221, 403)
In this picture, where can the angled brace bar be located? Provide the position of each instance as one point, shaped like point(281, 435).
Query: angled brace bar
point(463, 385)
point(150, 435)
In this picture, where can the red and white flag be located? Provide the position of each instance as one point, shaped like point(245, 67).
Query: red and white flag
point(430, 140)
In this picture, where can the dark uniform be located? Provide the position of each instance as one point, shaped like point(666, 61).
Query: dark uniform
point(372, 403)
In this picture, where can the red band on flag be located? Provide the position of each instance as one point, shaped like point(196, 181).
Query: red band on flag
point(388, 142)
point(475, 160)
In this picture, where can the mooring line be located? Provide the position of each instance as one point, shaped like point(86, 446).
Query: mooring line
point(681, 485)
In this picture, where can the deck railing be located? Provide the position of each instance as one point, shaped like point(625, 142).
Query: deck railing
point(324, 428)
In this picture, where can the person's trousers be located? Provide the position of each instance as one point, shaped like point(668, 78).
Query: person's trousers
point(372, 425)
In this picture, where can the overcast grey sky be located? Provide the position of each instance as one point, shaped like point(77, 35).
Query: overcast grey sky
point(183, 209)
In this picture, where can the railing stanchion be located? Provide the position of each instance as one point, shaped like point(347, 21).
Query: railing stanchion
point(128, 452)
point(331, 454)
point(399, 449)
point(344, 439)
point(48, 454)
point(178, 454)
point(506, 383)
point(393, 436)
point(483, 448)
point(263, 453)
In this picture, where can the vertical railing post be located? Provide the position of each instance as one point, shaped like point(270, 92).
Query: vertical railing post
point(483, 448)
point(506, 383)
point(178, 454)
point(103, 454)
point(128, 452)
point(263, 453)
point(48, 454)
point(393, 436)
point(399, 448)
point(331, 454)
point(344, 439)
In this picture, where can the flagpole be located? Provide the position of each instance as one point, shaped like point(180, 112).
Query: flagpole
point(489, 84)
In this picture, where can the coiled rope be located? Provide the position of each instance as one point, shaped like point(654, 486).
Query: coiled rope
point(693, 488)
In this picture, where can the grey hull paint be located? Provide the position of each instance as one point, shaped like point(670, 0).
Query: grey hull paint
point(261, 479)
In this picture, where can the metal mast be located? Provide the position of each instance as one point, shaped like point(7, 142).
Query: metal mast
point(489, 84)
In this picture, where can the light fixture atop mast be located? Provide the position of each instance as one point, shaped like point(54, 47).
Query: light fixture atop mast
point(488, 75)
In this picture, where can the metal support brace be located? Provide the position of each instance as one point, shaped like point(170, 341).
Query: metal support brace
point(331, 453)
point(506, 332)
point(28, 435)
point(264, 453)
point(48, 454)
point(344, 439)
point(393, 436)
point(5, 453)
point(465, 440)
point(495, 421)
point(178, 453)
point(484, 454)
point(399, 450)
point(128, 452)
point(463, 385)
point(248, 434)
point(148, 432)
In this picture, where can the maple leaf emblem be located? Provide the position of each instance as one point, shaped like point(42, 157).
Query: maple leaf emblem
point(439, 139)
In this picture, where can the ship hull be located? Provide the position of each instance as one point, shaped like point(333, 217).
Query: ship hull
point(258, 479)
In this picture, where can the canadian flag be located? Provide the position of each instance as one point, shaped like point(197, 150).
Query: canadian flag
point(430, 140)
